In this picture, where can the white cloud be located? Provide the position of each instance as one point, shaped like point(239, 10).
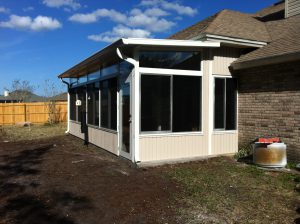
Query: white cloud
point(112, 14)
point(157, 12)
point(150, 23)
point(150, 2)
point(120, 32)
point(29, 8)
point(153, 12)
point(84, 18)
point(96, 15)
point(4, 10)
point(135, 12)
point(180, 9)
point(62, 3)
point(27, 23)
point(136, 19)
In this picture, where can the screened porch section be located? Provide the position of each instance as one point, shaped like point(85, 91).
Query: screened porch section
point(153, 100)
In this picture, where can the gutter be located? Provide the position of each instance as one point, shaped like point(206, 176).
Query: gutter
point(68, 121)
point(265, 61)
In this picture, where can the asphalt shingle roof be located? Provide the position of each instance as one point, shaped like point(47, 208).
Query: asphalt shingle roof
point(287, 42)
point(227, 23)
point(267, 25)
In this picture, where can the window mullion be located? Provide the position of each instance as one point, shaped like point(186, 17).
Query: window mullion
point(100, 102)
point(225, 97)
point(77, 107)
point(109, 106)
point(171, 103)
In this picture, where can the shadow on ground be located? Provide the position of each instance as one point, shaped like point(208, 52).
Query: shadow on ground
point(19, 172)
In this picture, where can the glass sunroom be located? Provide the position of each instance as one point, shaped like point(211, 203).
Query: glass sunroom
point(152, 100)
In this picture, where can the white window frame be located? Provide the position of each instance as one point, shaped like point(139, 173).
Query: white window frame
point(171, 72)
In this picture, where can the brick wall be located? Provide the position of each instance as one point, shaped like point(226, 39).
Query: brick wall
point(269, 105)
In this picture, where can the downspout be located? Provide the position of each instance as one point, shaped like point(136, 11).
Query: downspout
point(135, 148)
point(68, 105)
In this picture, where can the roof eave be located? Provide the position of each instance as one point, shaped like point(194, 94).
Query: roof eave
point(230, 40)
point(137, 42)
point(265, 61)
point(169, 42)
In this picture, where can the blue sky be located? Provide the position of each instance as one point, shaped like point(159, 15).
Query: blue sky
point(41, 38)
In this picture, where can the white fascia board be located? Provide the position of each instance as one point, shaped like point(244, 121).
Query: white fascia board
point(230, 40)
point(168, 42)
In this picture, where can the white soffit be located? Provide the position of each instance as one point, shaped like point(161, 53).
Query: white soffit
point(230, 40)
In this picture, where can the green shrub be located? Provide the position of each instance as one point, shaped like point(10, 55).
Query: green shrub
point(244, 151)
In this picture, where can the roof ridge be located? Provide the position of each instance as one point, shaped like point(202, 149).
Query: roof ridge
point(212, 18)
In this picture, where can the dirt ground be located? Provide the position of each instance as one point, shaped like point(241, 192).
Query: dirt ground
point(58, 180)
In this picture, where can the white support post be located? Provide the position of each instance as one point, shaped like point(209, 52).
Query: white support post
point(136, 108)
point(135, 104)
point(210, 101)
point(68, 114)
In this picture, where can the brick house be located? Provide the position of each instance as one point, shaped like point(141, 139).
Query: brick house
point(268, 75)
point(204, 91)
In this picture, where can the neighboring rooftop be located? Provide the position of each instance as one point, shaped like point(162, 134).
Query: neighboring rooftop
point(59, 97)
point(31, 97)
point(7, 99)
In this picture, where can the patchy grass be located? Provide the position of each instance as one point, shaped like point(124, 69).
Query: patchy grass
point(221, 190)
point(291, 165)
point(218, 190)
point(17, 133)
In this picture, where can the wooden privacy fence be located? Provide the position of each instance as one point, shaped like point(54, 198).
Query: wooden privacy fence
point(37, 113)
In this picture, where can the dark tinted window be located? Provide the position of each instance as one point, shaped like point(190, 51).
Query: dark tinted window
point(186, 103)
point(96, 109)
point(113, 103)
point(72, 109)
point(93, 104)
point(225, 104)
point(94, 75)
point(82, 79)
point(109, 104)
point(170, 60)
point(155, 103)
point(81, 95)
point(104, 103)
point(110, 70)
point(231, 103)
point(219, 103)
point(73, 81)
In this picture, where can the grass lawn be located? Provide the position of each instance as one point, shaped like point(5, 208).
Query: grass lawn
point(49, 177)
point(19, 133)
point(221, 190)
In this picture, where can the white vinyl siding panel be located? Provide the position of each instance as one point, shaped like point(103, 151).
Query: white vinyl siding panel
point(103, 139)
point(75, 130)
point(155, 148)
point(223, 57)
point(224, 143)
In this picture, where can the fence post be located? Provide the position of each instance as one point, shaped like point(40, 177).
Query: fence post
point(13, 114)
point(2, 114)
point(25, 111)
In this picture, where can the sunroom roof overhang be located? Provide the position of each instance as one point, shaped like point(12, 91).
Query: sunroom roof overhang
point(109, 55)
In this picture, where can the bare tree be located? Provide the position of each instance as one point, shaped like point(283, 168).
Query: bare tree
point(51, 90)
point(21, 89)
